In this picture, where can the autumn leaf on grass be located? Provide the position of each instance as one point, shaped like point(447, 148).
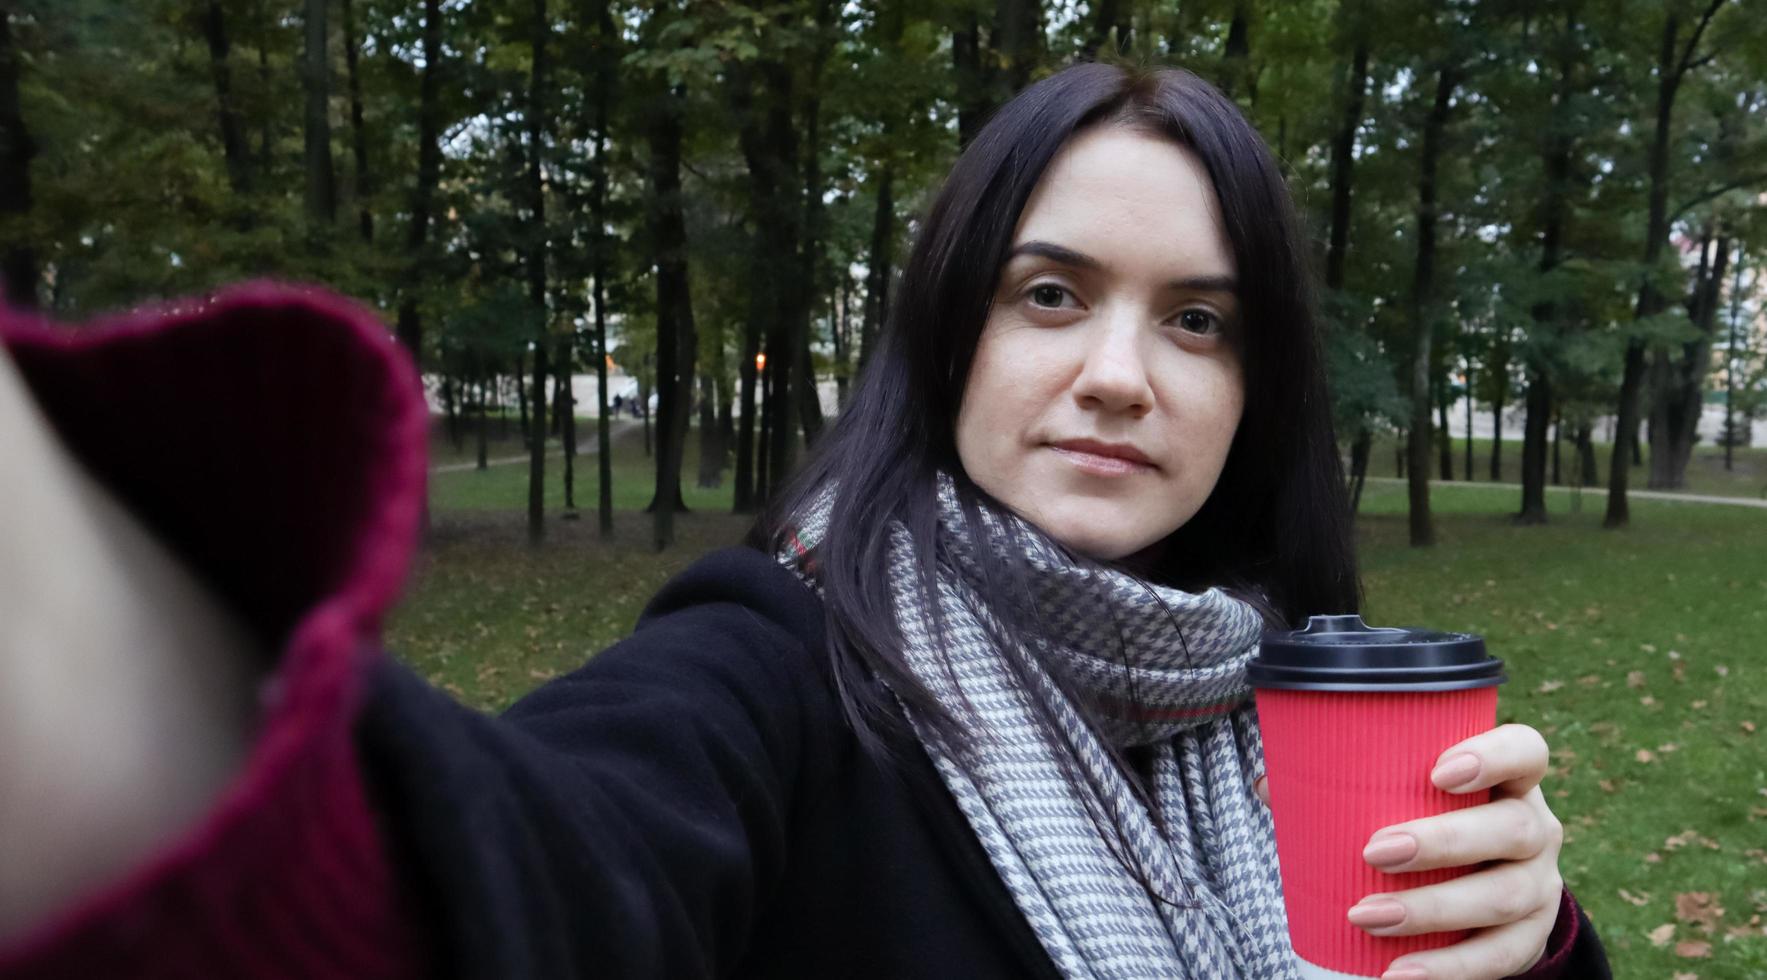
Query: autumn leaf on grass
point(1661, 935)
point(1645, 755)
point(1693, 949)
point(1635, 679)
point(1638, 900)
point(1549, 686)
point(1687, 837)
point(1685, 976)
point(1699, 909)
point(1748, 726)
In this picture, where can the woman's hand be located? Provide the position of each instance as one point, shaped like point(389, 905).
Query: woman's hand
point(1510, 905)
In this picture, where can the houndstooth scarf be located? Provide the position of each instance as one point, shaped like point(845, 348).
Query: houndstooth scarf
point(1160, 669)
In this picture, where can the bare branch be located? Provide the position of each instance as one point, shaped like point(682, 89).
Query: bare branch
point(1693, 40)
point(1711, 192)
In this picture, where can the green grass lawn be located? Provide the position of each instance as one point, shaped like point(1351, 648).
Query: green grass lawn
point(1641, 654)
point(1747, 476)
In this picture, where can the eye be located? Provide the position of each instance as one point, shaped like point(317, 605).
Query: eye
point(1200, 321)
point(1047, 295)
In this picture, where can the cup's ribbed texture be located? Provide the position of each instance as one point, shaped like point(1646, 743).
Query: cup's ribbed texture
point(1341, 766)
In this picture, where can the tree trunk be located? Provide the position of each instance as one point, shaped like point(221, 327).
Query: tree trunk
point(1558, 438)
point(1500, 386)
point(1401, 452)
point(429, 172)
point(1678, 390)
point(810, 275)
point(1547, 315)
point(521, 398)
point(972, 75)
point(1670, 72)
point(1422, 528)
point(451, 398)
point(567, 413)
point(762, 285)
point(537, 246)
point(1444, 439)
point(785, 333)
point(232, 138)
point(1730, 430)
point(764, 445)
point(1017, 40)
point(1112, 30)
point(1359, 452)
point(709, 451)
point(677, 341)
point(1586, 475)
point(604, 53)
point(484, 428)
point(358, 133)
point(877, 267)
point(19, 274)
point(1343, 162)
point(1534, 433)
point(321, 179)
point(1467, 467)
point(1236, 55)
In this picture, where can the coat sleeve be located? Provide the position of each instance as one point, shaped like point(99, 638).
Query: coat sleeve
point(628, 819)
point(1573, 950)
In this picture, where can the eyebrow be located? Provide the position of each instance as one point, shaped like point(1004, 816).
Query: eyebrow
point(1080, 260)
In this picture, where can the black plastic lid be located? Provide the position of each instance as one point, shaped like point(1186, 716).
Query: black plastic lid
point(1341, 653)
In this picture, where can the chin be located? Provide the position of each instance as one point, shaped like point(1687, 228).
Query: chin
point(1095, 543)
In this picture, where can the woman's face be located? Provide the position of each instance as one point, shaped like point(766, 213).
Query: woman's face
point(1106, 385)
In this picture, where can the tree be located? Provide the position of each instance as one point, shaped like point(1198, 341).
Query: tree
point(18, 258)
point(541, 29)
point(1422, 306)
point(677, 342)
point(1676, 58)
point(316, 68)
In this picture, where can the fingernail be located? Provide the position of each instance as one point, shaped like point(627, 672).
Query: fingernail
point(1377, 913)
point(1405, 973)
point(1456, 772)
point(1388, 849)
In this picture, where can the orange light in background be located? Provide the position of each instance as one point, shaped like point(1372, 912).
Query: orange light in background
point(760, 362)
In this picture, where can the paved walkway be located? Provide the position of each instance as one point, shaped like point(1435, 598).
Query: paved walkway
point(1691, 498)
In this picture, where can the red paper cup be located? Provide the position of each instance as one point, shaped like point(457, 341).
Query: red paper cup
point(1353, 719)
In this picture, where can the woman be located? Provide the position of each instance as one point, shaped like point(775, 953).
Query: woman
point(958, 714)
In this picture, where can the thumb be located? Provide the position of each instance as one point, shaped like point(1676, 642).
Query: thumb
point(1262, 788)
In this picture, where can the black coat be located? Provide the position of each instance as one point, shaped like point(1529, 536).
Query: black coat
point(691, 803)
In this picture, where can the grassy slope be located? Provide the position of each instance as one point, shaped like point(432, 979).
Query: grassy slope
point(1747, 476)
point(1639, 655)
point(1646, 640)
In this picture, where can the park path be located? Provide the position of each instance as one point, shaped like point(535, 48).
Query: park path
point(584, 448)
point(1691, 498)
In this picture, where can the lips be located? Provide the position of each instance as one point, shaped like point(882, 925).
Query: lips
point(1107, 458)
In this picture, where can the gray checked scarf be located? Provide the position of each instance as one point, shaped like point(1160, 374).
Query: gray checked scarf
point(1164, 672)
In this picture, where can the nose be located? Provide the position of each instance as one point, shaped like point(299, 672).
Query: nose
point(1113, 376)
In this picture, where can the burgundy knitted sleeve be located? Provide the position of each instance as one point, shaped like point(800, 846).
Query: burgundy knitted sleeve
point(274, 437)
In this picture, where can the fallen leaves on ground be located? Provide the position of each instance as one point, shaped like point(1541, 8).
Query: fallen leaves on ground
point(1687, 837)
point(1638, 900)
point(1693, 949)
point(1699, 909)
point(1635, 679)
point(1661, 935)
point(1549, 686)
point(1645, 756)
